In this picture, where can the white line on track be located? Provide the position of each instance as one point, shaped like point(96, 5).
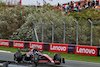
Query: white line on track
point(5, 51)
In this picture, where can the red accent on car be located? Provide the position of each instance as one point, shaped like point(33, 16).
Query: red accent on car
point(43, 61)
point(49, 58)
point(57, 61)
point(29, 52)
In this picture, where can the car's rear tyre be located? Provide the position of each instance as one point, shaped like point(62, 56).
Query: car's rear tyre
point(57, 57)
point(5, 64)
point(36, 59)
point(18, 57)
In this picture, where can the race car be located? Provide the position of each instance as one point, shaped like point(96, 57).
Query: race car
point(37, 57)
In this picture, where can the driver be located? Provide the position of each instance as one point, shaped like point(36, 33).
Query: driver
point(35, 50)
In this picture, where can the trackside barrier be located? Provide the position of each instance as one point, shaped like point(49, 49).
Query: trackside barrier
point(53, 47)
point(86, 50)
point(61, 48)
point(19, 44)
point(26, 45)
point(46, 46)
point(36, 44)
point(71, 48)
point(4, 43)
point(10, 43)
point(98, 51)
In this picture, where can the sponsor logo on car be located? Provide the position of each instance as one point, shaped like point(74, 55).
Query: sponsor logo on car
point(63, 48)
point(86, 50)
point(18, 44)
point(4, 43)
point(33, 45)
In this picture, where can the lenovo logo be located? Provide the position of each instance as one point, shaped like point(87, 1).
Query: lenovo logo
point(4, 43)
point(18, 44)
point(59, 48)
point(87, 51)
point(35, 45)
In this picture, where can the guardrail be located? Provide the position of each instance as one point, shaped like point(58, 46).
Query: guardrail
point(53, 47)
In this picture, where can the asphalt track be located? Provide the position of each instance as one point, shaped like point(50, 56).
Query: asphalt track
point(69, 63)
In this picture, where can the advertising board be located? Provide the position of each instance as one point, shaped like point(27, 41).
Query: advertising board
point(61, 48)
point(37, 45)
point(18, 44)
point(4, 43)
point(86, 50)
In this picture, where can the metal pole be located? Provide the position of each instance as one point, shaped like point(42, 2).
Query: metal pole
point(36, 35)
point(52, 31)
point(76, 32)
point(99, 41)
point(33, 31)
point(36, 5)
point(42, 30)
point(91, 30)
point(63, 32)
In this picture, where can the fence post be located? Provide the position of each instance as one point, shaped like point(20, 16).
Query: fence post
point(52, 31)
point(63, 32)
point(91, 31)
point(33, 31)
point(76, 32)
point(42, 30)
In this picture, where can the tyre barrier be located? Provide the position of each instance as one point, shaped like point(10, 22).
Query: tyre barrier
point(53, 47)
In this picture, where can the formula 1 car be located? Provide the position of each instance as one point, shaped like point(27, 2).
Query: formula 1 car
point(36, 57)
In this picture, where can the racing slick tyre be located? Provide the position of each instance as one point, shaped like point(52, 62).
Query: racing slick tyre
point(18, 57)
point(57, 57)
point(36, 59)
point(63, 60)
point(5, 64)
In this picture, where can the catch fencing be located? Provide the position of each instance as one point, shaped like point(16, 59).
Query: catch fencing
point(72, 32)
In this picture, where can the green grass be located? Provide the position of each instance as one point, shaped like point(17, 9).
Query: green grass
point(66, 56)
point(8, 49)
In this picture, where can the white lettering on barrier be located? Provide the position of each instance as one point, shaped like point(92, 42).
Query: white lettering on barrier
point(18, 44)
point(36, 45)
point(59, 48)
point(4, 43)
point(87, 51)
